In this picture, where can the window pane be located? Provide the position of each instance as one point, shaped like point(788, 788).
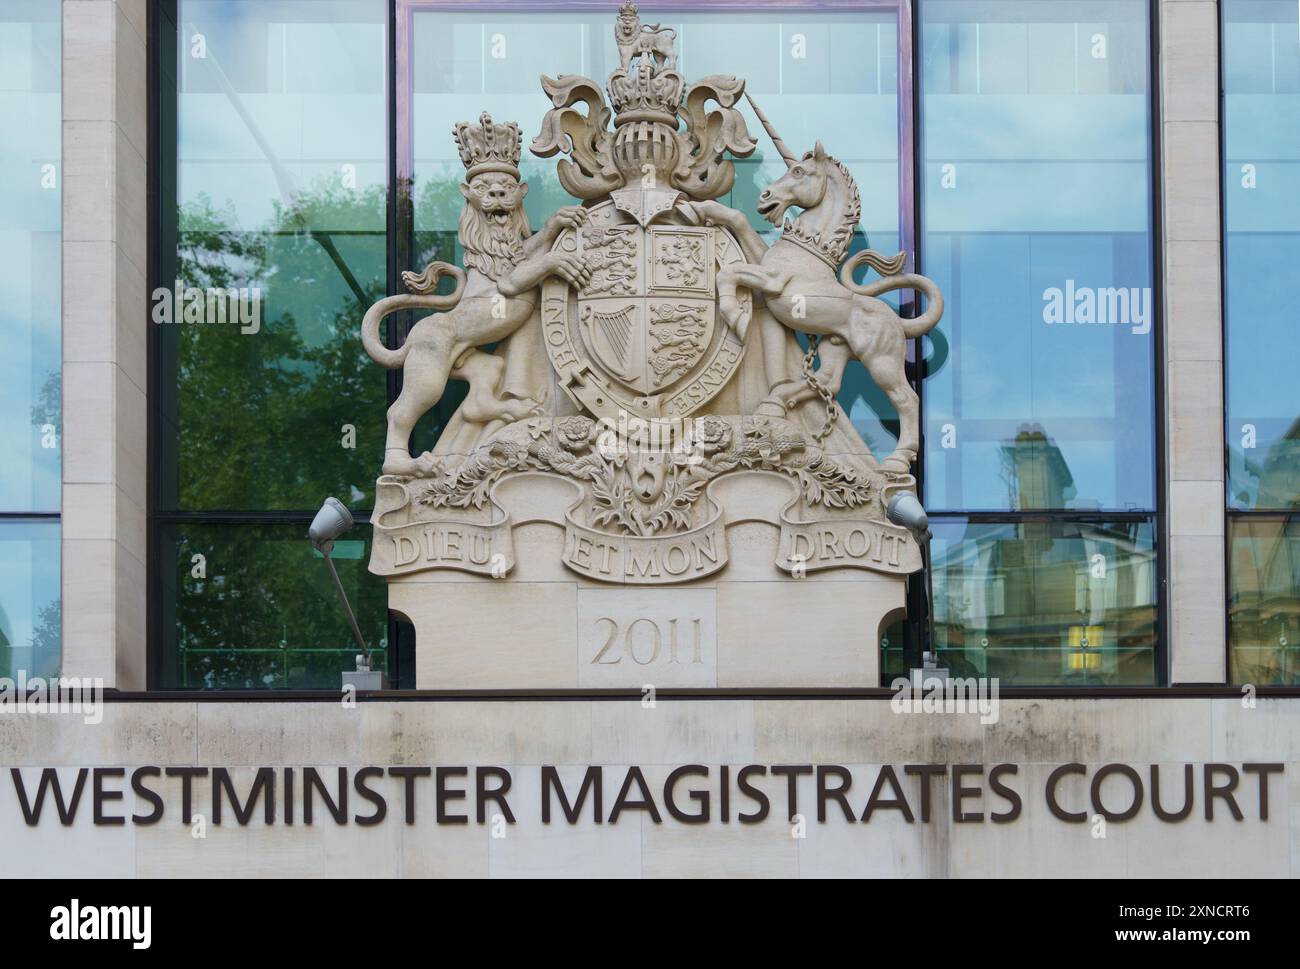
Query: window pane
point(832, 76)
point(1261, 117)
point(29, 598)
point(1264, 599)
point(30, 345)
point(268, 400)
point(1046, 603)
point(894, 652)
point(30, 255)
point(1036, 223)
point(253, 606)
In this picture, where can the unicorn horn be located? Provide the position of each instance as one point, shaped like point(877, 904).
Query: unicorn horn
point(781, 148)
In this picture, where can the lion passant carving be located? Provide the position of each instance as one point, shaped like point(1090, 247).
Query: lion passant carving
point(646, 393)
point(635, 39)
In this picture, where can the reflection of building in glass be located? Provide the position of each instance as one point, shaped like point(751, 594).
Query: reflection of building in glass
point(1277, 477)
point(1046, 546)
point(1261, 205)
point(1264, 599)
point(1035, 470)
point(1047, 601)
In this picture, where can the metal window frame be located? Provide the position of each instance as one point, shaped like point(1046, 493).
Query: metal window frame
point(1231, 515)
point(1159, 411)
point(160, 155)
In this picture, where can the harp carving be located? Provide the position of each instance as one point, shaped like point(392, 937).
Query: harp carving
point(616, 328)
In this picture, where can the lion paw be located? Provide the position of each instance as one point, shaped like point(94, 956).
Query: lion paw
point(428, 465)
point(484, 408)
point(733, 312)
point(400, 463)
point(517, 410)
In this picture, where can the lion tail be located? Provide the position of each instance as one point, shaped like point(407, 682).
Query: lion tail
point(894, 278)
point(421, 297)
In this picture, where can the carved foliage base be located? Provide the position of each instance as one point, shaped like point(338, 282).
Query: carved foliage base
point(551, 558)
point(641, 515)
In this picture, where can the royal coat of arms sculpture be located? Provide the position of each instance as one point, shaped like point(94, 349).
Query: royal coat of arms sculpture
point(648, 423)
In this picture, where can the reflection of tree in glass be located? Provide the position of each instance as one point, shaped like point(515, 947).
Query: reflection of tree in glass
point(41, 658)
point(259, 425)
point(261, 416)
point(47, 406)
point(46, 643)
point(266, 614)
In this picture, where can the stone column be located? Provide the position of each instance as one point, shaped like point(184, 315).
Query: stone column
point(105, 329)
point(1193, 339)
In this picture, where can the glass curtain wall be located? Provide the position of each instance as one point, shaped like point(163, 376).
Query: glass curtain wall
point(1261, 198)
point(30, 337)
point(273, 122)
point(1035, 174)
point(1040, 451)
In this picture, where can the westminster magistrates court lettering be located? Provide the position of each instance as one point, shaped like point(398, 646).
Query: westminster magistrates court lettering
point(689, 793)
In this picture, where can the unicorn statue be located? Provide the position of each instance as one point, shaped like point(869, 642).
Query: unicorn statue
point(797, 278)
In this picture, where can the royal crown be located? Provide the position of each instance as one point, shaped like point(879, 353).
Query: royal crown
point(660, 125)
point(488, 147)
point(645, 95)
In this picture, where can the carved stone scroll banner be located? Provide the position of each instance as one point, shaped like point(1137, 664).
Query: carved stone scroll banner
point(424, 543)
point(650, 559)
point(835, 543)
point(440, 543)
point(464, 546)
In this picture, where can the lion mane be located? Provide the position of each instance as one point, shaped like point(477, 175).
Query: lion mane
point(492, 250)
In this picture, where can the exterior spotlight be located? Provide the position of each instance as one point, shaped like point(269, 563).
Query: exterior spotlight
point(330, 522)
point(906, 511)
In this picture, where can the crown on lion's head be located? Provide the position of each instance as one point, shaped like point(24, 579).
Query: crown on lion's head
point(488, 147)
point(628, 24)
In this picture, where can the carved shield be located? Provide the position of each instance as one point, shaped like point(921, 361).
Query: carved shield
point(643, 336)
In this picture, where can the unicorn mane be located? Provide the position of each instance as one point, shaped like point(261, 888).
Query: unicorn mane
point(837, 245)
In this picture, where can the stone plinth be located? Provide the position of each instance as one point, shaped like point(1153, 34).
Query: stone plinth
point(748, 626)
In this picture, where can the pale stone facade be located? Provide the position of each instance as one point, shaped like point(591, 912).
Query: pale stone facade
point(522, 736)
point(105, 470)
point(1193, 350)
point(105, 334)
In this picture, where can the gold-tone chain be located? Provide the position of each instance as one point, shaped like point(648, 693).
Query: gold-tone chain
point(832, 408)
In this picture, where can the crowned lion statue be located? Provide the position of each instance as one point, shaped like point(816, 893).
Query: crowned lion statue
point(493, 297)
